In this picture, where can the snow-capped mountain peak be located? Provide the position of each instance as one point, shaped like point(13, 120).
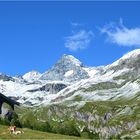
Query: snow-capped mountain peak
point(67, 68)
point(72, 59)
point(32, 76)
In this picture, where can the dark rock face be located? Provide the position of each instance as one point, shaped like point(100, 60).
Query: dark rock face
point(6, 78)
point(65, 64)
point(13, 98)
point(28, 103)
point(52, 88)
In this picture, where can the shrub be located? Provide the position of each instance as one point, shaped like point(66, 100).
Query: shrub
point(87, 134)
point(15, 120)
point(4, 121)
point(66, 128)
point(42, 126)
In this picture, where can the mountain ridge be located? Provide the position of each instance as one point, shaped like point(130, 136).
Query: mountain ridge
point(72, 78)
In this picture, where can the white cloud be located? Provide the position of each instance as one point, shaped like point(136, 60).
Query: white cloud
point(78, 40)
point(121, 35)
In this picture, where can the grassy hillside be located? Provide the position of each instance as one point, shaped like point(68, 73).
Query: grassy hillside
point(98, 119)
point(93, 119)
point(31, 134)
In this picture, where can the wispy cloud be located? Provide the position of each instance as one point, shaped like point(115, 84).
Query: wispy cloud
point(76, 24)
point(78, 40)
point(121, 35)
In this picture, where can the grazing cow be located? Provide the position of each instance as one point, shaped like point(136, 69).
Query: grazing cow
point(12, 129)
point(18, 132)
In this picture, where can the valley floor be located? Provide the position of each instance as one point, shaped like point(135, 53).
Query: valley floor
point(32, 134)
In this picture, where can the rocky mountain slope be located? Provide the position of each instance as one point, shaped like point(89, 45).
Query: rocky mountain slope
point(67, 69)
point(69, 78)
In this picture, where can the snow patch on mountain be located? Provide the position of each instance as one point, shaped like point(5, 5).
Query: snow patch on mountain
point(69, 73)
point(133, 54)
point(92, 71)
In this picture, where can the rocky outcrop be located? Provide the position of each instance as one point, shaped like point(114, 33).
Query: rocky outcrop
point(52, 88)
point(6, 78)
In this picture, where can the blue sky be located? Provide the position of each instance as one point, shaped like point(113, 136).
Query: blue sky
point(34, 35)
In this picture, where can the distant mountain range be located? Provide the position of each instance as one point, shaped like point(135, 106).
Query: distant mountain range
point(69, 79)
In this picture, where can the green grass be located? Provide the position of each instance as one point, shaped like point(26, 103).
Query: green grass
point(77, 98)
point(136, 138)
point(32, 134)
point(101, 86)
point(59, 117)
